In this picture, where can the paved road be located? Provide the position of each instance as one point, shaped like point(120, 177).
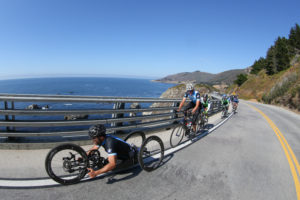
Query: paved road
point(242, 159)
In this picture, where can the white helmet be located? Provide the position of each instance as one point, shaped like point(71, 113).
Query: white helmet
point(189, 86)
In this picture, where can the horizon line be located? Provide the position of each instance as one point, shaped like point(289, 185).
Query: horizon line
point(26, 76)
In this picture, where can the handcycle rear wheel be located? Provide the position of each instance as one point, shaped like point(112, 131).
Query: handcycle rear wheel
point(177, 135)
point(136, 138)
point(66, 164)
point(151, 153)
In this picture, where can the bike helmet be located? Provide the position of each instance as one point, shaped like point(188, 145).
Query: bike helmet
point(189, 86)
point(205, 96)
point(97, 131)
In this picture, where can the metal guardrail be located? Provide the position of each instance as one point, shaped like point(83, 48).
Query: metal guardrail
point(122, 117)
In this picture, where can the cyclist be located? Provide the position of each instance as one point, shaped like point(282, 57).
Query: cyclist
point(225, 102)
point(235, 101)
point(205, 102)
point(194, 104)
point(118, 150)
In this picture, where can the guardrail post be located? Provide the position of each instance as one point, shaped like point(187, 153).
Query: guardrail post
point(13, 117)
point(133, 114)
point(117, 106)
point(175, 104)
point(6, 116)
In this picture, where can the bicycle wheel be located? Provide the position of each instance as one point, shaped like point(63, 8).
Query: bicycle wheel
point(223, 114)
point(177, 135)
point(200, 122)
point(66, 164)
point(136, 138)
point(151, 153)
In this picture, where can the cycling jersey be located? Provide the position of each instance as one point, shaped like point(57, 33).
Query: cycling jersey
point(116, 146)
point(225, 102)
point(205, 104)
point(236, 100)
point(193, 97)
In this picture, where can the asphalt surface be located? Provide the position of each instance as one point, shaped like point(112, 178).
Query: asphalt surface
point(242, 159)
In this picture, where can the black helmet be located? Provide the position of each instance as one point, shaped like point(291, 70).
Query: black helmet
point(97, 131)
point(205, 96)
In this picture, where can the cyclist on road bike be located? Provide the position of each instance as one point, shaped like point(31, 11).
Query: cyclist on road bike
point(117, 149)
point(225, 102)
point(235, 101)
point(205, 104)
point(194, 104)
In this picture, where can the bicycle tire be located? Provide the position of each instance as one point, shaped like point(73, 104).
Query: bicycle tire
point(140, 138)
point(177, 135)
point(200, 123)
point(147, 156)
point(61, 178)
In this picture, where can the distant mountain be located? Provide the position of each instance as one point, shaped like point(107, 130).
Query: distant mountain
point(226, 77)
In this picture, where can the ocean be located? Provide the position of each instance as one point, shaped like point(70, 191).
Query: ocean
point(119, 87)
point(87, 86)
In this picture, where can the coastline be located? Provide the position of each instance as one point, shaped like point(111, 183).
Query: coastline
point(169, 82)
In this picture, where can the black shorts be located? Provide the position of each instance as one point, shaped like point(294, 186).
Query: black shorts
point(195, 116)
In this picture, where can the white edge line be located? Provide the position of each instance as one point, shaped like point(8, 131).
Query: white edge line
point(49, 182)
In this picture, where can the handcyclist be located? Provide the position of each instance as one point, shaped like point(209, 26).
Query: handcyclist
point(194, 104)
point(235, 101)
point(117, 149)
point(205, 102)
point(225, 102)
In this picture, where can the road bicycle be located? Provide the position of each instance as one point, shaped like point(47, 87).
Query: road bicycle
point(224, 112)
point(67, 163)
point(184, 127)
point(234, 107)
point(202, 119)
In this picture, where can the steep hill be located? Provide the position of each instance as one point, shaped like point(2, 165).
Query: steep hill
point(281, 89)
point(226, 77)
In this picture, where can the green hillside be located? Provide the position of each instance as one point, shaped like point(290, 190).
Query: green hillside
point(275, 79)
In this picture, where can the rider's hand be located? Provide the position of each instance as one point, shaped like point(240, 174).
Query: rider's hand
point(91, 173)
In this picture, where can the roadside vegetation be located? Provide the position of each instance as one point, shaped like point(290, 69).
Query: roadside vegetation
point(274, 79)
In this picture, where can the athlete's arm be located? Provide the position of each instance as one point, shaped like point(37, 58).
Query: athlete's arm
point(95, 147)
point(196, 107)
point(181, 104)
point(112, 160)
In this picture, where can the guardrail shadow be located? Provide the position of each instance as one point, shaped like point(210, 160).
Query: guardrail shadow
point(133, 172)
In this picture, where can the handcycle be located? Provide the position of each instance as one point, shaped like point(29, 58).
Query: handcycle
point(184, 127)
point(67, 163)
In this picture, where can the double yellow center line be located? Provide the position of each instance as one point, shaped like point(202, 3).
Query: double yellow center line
point(292, 160)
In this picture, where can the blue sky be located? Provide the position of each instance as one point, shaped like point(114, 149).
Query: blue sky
point(144, 38)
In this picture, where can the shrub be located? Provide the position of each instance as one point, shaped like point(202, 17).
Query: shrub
point(241, 78)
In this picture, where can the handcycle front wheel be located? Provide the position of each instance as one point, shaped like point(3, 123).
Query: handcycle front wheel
point(177, 135)
point(151, 153)
point(66, 164)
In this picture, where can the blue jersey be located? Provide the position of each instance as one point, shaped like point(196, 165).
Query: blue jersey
point(193, 97)
point(116, 146)
point(235, 99)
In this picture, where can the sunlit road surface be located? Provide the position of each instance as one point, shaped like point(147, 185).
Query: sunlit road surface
point(253, 155)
